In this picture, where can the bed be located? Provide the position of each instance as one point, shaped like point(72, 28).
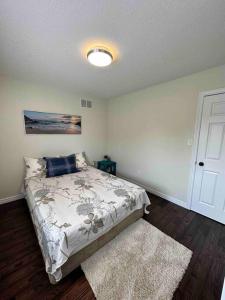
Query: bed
point(76, 214)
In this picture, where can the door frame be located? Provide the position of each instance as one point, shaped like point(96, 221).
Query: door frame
point(194, 153)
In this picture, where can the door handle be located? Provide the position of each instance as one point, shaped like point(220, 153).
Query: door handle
point(201, 163)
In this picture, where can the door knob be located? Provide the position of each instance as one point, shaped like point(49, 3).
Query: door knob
point(201, 164)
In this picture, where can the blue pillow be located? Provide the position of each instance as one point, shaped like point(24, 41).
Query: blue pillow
point(57, 166)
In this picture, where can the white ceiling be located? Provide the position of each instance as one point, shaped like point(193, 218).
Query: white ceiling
point(157, 40)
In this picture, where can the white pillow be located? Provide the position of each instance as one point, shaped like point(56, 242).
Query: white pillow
point(80, 160)
point(35, 167)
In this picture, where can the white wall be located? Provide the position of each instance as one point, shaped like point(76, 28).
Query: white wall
point(148, 131)
point(15, 96)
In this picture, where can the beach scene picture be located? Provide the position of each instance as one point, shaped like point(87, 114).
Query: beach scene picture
point(51, 123)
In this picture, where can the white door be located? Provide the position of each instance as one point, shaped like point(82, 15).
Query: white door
point(208, 196)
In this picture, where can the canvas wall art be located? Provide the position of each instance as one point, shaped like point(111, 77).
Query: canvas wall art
point(51, 123)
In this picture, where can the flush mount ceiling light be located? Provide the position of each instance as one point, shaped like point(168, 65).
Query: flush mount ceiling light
point(99, 57)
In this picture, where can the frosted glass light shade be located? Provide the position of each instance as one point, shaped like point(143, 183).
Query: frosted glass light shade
point(99, 57)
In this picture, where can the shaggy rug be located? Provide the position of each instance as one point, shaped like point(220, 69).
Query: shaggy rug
point(140, 263)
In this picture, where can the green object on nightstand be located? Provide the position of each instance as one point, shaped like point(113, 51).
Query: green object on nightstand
point(108, 166)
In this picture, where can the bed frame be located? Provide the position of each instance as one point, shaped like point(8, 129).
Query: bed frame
point(76, 259)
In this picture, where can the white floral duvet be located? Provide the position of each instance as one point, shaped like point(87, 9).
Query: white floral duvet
point(71, 211)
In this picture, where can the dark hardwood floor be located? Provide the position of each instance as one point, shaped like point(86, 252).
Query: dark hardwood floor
point(22, 274)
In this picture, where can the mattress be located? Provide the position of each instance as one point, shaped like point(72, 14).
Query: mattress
point(71, 211)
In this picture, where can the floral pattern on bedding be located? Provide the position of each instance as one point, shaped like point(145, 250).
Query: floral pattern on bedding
point(71, 211)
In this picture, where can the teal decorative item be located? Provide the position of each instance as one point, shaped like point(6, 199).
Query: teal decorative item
point(108, 166)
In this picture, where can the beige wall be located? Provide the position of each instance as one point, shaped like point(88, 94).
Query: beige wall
point(15, 96)
point(148, 131)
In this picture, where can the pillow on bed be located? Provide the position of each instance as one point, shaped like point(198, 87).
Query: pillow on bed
point(35, 167)
point(80, 160)
point(57, 166)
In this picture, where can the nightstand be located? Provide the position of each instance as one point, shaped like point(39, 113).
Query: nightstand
point(108, 166)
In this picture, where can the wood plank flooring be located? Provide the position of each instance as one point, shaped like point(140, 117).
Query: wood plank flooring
point(22, 274)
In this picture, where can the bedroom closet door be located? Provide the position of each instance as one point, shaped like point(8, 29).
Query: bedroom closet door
point(208, 196)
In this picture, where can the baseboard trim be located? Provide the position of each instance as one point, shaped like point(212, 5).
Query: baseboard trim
point(147, 188)
point(11, 198)
point(168, 197)
point(157, 193)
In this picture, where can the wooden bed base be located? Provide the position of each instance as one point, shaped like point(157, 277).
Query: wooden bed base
point(76, 259)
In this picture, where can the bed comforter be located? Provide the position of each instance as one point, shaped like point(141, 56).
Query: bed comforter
point(71, 211)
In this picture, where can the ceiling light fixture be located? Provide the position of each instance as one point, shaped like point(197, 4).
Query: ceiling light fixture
point(99, 57)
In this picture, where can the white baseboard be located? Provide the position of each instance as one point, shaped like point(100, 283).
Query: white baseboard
point(11, 198)
point(223, 291)
point(168, 197)
point(157, 193)
point(147, 188)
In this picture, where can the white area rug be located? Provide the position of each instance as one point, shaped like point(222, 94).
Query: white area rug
point(140, 263)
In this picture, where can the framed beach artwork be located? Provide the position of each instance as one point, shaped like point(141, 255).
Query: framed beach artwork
point(51, 123)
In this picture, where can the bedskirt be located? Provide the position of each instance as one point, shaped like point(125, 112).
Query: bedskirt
point(76, 259)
